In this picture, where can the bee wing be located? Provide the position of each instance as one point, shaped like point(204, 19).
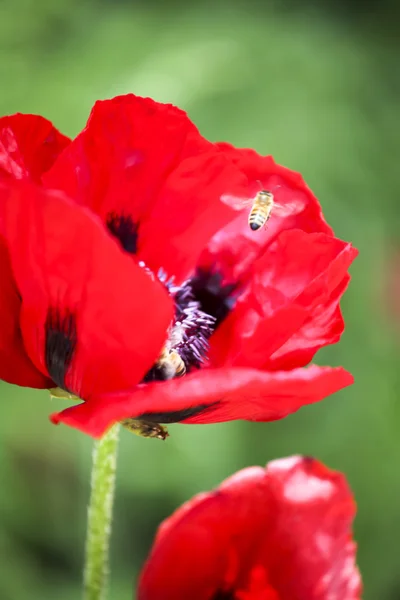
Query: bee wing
point(294, 207)
point(236, 202)
point(288, 209)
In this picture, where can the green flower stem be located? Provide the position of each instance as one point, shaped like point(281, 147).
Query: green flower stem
point(100, 515)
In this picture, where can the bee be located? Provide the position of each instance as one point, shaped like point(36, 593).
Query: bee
point(145, 428)
point(261, 209)
point(169, 365)
point(263, 205)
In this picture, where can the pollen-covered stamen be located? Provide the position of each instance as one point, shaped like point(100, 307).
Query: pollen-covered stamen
point(201, 303)
point(195, 326)
point(187, 345)
point(194, 346)
point(165, 280)
point(185, 304)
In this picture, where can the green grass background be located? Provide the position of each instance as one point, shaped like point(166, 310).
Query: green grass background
point(317, 89)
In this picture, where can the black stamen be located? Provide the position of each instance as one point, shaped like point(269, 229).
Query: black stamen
point(193, 326)
point(196, 326)
point(193, 349)
point(214, 297)
point(174, 416)
point(124, 229)
point(60, 344)
point(184, 300)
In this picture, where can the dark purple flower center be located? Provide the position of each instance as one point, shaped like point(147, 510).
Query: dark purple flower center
point(196, 326)
point(201, 304)
point(190, 333)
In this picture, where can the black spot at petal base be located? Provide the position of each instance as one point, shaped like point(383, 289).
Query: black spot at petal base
point(124, 229)
point(175, 416)
point(60, 344)
point(224, 595)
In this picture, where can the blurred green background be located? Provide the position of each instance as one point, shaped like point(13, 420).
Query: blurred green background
point(317, 86)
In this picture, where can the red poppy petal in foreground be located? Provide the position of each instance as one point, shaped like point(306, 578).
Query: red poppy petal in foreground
point(29, 145)
point(294, 277)
point(15, 366)
point(283, 533)
point(146, 163)
point(210, 396)
point(85, 303)
point(325, 326)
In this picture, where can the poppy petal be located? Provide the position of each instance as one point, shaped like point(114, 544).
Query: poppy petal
point(146, 161)
point(206, 527)
point(15, 366)
point(325, 326)
point(85, 304)
point(316, 511)
point(233, 249)
point(29, 146)
point(210, 396)
point(291, 522)
point(295, 275)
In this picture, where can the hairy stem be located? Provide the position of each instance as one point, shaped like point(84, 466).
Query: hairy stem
point(100, 515)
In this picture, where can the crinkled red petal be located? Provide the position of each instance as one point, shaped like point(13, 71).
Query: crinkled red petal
point(233, 250)
point(64, 261)
point(144, 159)
point(309, 551)
point(29, 146)
point(15, 366)
point(210, 396)
point(292, 279)
point(292, 522)
point(325, 326)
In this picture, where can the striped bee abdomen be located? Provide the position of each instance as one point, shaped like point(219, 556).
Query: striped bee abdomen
point(261, 210)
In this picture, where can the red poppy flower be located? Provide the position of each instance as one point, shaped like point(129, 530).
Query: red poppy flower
point(283, 533)
point(74, 301)
point(149, 213)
